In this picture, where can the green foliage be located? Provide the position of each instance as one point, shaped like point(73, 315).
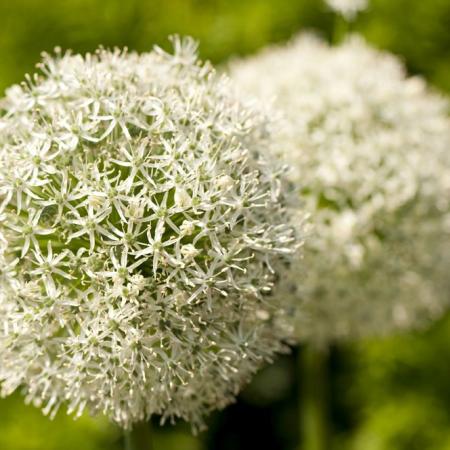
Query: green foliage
point(416, 30)
point(24, 427)
point(401, 385)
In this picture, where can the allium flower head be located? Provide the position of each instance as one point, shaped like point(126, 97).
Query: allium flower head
point(141, 232)
point(371, 148)
point(348, 8)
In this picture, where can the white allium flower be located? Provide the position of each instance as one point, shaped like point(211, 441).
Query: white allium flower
point(347, 8)
point(371, 148)
point(141, 232)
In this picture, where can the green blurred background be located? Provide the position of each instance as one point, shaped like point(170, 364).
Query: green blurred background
point(391, 394)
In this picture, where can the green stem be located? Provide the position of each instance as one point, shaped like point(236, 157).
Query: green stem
point(341, 28)
point(314, 398)
point(139, 438)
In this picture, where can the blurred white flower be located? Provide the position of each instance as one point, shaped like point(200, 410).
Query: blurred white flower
point(347, 8)
point(369, 148)
point(142, 229)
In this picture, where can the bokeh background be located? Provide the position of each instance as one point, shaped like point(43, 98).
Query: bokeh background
point(390, 394)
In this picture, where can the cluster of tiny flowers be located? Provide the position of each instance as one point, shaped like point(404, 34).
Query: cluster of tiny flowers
point(142, 229)
point(370, 146)
point(347, 8)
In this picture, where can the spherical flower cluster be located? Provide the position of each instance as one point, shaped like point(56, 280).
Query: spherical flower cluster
point(371, 147)
point(142, 229)
point(347, 8)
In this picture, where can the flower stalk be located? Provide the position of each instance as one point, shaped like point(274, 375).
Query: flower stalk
point(314, 396)
point(139, 437)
